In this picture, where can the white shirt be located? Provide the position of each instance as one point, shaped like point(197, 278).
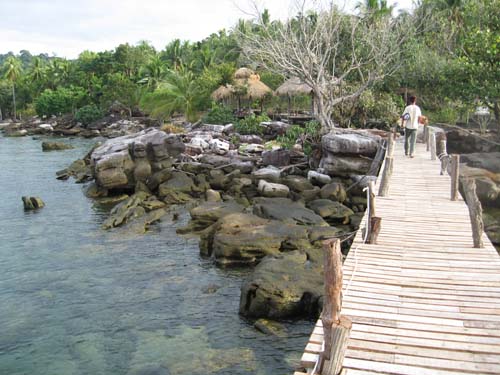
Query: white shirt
point(414, 111)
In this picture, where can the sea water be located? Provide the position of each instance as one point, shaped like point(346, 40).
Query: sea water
point(75, 299)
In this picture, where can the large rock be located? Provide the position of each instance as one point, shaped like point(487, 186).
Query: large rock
point(287, 211)
point(278, 158)
point(120, 162)
point(271, 190)
point(336, 165)
point(210, 212)
point(297, 183)
point(333, 212)
point(287, 285)
point(487, 185)
point(270, 173)
point(55, 146)
point(32, 203)
point(242, 239)
point(355, 143)
point(177, 189)
point(128, 210)
point(334, 191)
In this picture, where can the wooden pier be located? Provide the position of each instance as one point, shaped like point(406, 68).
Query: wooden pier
point(422, 300)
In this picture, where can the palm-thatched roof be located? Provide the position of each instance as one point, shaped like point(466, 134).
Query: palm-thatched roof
point(293, 86)
point(223, 92)
point(250, 87)
point(243, 73)
point(256, 88)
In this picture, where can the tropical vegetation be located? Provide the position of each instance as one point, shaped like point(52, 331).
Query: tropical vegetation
point(360, 67)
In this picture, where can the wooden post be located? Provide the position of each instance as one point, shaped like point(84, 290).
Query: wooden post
point(371, 189)
point(386, 176)
point(455, 173)
point(442, 147)
point(475, 211)
point(336, 329)
point(375, 226)
point(390, 145)
point(433, 143)
point(426, 137)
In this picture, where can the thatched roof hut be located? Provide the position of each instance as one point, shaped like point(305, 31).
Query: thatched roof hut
point(243, 73)
point(256, 88)
point(223, 92)
point(293, 86)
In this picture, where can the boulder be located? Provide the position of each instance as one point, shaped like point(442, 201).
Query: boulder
point(243, 239)
point(215, 160)
point(120, 162)
point(251, 148)
point(219, 146)
point(287, 211)
point(32, 203)
point(491, 219)
point(126, 211)
point(251, 138)
point(55, 146)
point(351, 143)
point(286, 285)
point(177, 189)
point(333, 212)
point(334, 191)
point(297, 183)
point(275, 128)
point(210, 212)
point(212, 196)
point(278, 158)
point(271, 174)
point(335, 165)
point(271, 190)
point(46, 127)
point(487, 184)
point(318, 178)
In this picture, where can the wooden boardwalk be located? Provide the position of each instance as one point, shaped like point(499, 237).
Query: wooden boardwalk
point(423, 300)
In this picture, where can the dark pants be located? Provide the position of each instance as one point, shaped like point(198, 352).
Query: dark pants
point(410, 141)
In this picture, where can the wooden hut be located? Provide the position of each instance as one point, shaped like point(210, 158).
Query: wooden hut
point(293, 87)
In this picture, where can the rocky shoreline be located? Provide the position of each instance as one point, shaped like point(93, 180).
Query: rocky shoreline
point(253, 204)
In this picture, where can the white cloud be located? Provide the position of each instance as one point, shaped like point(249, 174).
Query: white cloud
point(66, 28)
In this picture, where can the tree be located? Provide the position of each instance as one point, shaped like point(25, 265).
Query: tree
point(336, 54)
point(13, 70)
point(179, 93)
point(119, 88)
point(153, 72)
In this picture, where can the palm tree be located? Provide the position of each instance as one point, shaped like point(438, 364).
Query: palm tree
point(13, 70)
point(154, 72)
point(375, 8)
point(179, 93)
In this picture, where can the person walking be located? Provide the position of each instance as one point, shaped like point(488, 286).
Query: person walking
point(410, 120)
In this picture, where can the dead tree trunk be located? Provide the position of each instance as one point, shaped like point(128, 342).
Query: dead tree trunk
point(475, 211)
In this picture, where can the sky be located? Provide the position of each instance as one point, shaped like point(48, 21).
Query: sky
point(67, 27)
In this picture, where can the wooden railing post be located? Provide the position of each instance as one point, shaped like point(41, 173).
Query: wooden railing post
point(475, 211)
point(426, 137)
point(386, 176)
point(336, 329)
point(455, 174)
point(433, 144)
point(374, 223)
point(390, 145)
point(445, 160)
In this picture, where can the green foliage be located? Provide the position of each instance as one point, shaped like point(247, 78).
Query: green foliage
point(219, 114)
point(180, 93)
point(377, 106)
point(308, 136)
point(60, 101)
point(251, 124)
point(88, 114)
point(446, 115)
point(120, 88)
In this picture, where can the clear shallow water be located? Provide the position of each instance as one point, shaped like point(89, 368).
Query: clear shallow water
point(77, 300)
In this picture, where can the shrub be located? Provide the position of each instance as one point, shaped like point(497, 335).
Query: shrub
point(88, 113)
point(251, 124)
point(308, 136)
point(220, 115)
point(60, 101)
